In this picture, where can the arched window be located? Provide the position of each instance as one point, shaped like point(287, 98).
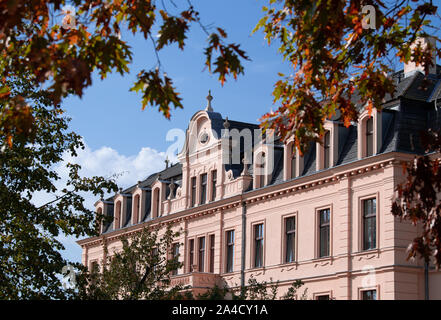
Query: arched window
point(327, 150)
point(369, 137)
point(136, 209)
point(99, 224)
point(260, 172)
point(157, 202)
point(293, 161)
point(117, 215)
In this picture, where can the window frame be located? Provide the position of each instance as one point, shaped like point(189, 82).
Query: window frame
point(256, 240)
point(375, 288)
point(174, 245)
point(284, 238)
point(360, 221)
point(317, 231)
point(201, 254)
point(213, 185)
point(227, 244)
point(193, 191)
point(203, 188)
point(367, 245)
point(212, 252)
point(191, 243)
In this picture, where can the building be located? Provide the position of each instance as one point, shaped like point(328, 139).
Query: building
point(323, 217)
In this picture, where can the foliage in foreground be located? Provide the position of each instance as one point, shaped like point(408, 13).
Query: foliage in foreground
point(418, 199)
point(30, 259)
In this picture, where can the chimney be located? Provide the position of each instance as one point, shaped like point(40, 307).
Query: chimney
point(410, 68)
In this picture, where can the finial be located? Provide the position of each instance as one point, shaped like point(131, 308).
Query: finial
point(209, 98)
point(166, 162)
point(226, 124)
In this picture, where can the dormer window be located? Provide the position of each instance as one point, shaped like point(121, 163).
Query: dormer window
point(118, 211)
point(260, 172)
point(369, 137)
point(156, 202)
point(293, 161)
point(369, 133)
point(136, 208)
point(327, 150)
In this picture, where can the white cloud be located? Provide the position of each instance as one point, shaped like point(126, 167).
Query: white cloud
point(106, 162)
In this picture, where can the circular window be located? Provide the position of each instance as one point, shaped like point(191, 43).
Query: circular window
point(203, 138)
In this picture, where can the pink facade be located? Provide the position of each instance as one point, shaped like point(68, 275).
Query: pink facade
point(323, 218)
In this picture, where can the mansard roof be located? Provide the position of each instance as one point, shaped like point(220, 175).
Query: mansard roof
point(406, 113)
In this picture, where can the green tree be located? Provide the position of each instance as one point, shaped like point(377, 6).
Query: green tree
point(30, 259)
point(140, 270)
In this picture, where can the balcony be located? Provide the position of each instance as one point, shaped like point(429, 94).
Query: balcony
point(198, 281)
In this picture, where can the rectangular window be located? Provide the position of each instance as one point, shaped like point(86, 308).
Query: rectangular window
point(175, 254)
point(191, 254)
point(230, 251)
point(327, 150)
point(212, 253)
point(193, 191)
point(158, 203)
point(290, 239)
point(213, 184)
point(369, 224)
point(201, 258)
point(324, 232)
point(369, 295)
point(322, 297)
point(369, 137)
point(94, 267)
point(203, 188)
point(258, 245)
